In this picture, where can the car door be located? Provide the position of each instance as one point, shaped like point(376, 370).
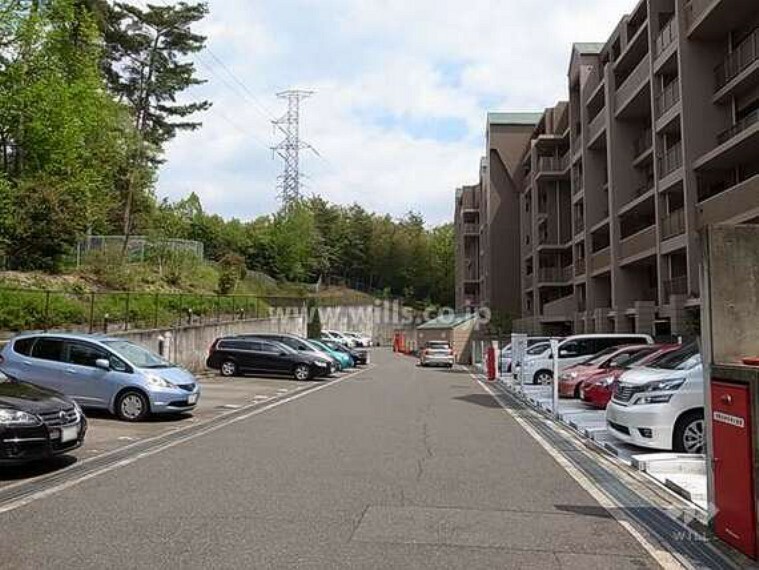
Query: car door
point(44, 366)
point(242, 352)
point(273, 358)
point(89, 385)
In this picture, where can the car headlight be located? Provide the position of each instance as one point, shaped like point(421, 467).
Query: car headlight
point(607, 381)
point(321, 363)
point(17, 418)
point(158, 382)
point(78, 409)
point(665, 385)
point(650, 395)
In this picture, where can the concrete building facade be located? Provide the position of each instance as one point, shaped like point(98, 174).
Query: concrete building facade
point(487, 222)
point(661, 138)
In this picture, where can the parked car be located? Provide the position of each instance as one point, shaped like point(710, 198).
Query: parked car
point(344, 359)
point(102, 372)
point(362, 340)
point(575, 349)
point(300, 344)
point(236, 355)
point(436, 353)
point(661, 406)
point(610, 358)
point(36, 423)
point(339, 337)
point(358, 355)
point(506, 355)
point(597, 390)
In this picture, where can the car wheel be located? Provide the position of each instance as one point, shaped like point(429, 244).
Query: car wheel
point(542, 377)
point(302, 372)
point(132, 406)
point(228, 368)
point(690, 434)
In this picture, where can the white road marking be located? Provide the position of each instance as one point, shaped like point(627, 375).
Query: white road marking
point(664, 558)
point(129, 460)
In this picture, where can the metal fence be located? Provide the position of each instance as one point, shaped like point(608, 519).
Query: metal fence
point(139, 248)
point(25, 309)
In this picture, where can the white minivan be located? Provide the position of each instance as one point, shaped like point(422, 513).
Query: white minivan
point(575, 349)
point(661, 406)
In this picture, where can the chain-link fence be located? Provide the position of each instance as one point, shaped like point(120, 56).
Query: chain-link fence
point(138, 248)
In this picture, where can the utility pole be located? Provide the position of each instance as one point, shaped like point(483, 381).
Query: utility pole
point(289, 149)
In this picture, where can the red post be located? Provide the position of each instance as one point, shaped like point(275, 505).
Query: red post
point(490, 362)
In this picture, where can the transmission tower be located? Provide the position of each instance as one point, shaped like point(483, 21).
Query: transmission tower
point(289, 149)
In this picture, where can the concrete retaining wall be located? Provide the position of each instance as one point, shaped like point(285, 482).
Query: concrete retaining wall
point(188, 345)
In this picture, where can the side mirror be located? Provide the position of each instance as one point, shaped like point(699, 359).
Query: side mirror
point(103, 364)
point(283, 353)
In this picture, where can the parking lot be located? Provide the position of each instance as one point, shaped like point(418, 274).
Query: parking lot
point(107, 434)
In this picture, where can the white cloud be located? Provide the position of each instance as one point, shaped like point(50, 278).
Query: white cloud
point(393, 79)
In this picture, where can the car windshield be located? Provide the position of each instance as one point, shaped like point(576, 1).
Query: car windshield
point(683, 358)
point(138, 356)
point(539, 348)
point(599, 357)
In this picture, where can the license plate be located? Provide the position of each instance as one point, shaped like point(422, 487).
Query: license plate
point(192, 398)
point(69, 433)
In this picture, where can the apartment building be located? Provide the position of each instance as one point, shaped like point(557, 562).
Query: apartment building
point(661, 137)
point(493, 205)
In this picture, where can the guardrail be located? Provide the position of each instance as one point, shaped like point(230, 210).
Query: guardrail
point(673, 224)
point(668, 98)
point(746, 122)
point(671, 160)
point(667, 35)
point(675, 286)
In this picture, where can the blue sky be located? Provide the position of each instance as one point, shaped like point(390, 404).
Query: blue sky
point(402, 89)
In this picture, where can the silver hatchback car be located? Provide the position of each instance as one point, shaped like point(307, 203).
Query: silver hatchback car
point(101, 372)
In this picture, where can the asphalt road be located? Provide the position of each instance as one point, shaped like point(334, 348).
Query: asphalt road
point(395, 467)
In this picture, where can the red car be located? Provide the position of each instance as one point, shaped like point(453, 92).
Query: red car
point(612, 357)
point(598, 388)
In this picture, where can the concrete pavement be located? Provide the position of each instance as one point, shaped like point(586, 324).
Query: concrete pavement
point(395, 467)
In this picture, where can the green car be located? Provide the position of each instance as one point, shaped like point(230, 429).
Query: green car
point(344, 359)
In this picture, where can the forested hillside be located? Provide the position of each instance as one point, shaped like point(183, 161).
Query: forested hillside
point(89, 99)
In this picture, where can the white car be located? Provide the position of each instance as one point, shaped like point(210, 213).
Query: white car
point(337, 336)
point(661, 406)
point(506, 356)
point(575, 349)
point(437, 353)
point(361, 339)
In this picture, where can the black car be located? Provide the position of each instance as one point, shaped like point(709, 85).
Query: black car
point(233, 356)
point(359, 356)
point(297, 343)
point(36, 423)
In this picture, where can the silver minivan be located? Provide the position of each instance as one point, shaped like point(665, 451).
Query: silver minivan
point(102, 372)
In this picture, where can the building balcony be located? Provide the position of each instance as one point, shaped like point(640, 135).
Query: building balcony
point(562, 308)
point(744, 124)
point(632, 85)
point(528, 281)
point(643, 143)
point(675, 286)
point(470, 229)
point(712, 19)
point(734, 202)
point(600, 260)
point(673, 224)
point(554, 166)
point(579, 225)
point(638, 245)
point(668, 98)
point(666, 37)
point(555, 274)
point(670, 160)
point(597, 126)
point(745, 55)
point(580, 266)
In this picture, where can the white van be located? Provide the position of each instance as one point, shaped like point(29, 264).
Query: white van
point(661, 406)
point(575, 349)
